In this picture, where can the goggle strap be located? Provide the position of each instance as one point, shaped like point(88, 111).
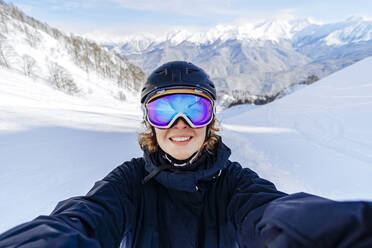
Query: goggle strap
point(179, 91)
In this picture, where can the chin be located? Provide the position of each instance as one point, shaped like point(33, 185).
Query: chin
point(181, 156)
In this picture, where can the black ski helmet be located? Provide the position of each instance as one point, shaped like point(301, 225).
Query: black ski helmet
point(178, 74)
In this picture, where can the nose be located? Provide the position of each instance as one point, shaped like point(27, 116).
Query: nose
point(180, 124)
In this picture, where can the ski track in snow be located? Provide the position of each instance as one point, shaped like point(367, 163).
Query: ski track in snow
point(251, 129)
point(249, 157)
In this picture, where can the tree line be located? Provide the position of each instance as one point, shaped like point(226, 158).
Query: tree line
point(86, 54)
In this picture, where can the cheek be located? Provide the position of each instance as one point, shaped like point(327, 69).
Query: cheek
point(160, 135)
point(200, 133)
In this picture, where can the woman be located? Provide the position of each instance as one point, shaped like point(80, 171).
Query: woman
point(184, 191)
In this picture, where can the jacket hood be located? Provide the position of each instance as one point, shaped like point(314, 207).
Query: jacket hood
point(187, 181)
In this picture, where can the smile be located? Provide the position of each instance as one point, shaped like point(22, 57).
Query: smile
point(179, 139)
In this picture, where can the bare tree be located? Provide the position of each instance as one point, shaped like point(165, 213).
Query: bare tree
point(121, 96)
point(138, 76)
point(29, 65)
point(122, 79)
point(33, 36)
point(4, 22)
point(62, 79)
point(4, 52)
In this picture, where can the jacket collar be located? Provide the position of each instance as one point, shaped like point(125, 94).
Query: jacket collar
point(187, 181)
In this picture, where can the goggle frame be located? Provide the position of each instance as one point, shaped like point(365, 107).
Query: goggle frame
point(162, 93)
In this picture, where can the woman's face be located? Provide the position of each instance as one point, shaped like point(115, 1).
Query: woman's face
point(180, 141)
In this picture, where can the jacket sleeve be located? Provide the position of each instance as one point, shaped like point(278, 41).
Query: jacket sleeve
point(99, 219)
point(265, 217)
point(304, 220)
point(250, 196)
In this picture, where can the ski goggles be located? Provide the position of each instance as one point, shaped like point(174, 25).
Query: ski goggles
point(165, 107)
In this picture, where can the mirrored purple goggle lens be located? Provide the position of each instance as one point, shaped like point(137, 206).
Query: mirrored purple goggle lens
point(162, 110)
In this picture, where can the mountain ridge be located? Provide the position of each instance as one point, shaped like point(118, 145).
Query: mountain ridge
point(260, 59)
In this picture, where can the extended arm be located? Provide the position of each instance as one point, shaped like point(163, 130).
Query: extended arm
point(250, 196)
point(98, 219)
point(304, 220)
point(265, 217)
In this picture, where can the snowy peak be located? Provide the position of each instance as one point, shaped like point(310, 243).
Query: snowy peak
point(177, 36)
point(272, 30)
point(278, 29)
point(354, 30)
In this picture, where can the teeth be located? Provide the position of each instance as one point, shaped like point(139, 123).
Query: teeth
point(180, 138)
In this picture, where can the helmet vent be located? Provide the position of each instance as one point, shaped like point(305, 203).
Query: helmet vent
point(162, 72)
point(190, 70)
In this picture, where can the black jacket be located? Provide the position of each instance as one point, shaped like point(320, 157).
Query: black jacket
point(224, 205)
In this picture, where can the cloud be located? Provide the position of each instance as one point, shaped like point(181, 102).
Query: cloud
point(66, 6)
point(189, 8)
point(218, 11)
point(72, 4)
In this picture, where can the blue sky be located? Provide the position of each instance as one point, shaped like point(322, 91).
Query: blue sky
point(125, 17)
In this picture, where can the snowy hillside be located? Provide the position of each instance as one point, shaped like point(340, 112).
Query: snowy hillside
point(54, 146)
point(257, 60)
point(317, 139)
point(68, 63)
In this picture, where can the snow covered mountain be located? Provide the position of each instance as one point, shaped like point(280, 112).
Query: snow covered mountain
point(257, 61)
point(67, 63)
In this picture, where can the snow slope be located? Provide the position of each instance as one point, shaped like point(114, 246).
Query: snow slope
point(54, 146)
point(318, 139)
